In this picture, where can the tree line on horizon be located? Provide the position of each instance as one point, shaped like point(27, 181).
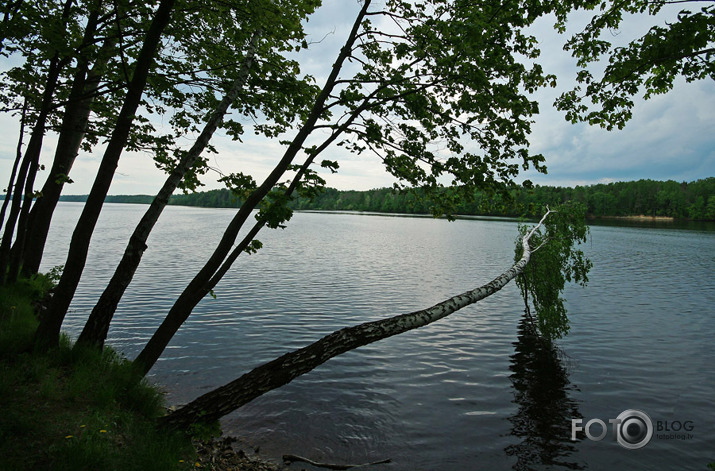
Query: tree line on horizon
point(680, 200)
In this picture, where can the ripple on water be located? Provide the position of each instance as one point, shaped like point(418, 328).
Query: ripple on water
point(468, 389)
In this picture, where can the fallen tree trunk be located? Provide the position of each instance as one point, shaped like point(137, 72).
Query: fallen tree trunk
point(225, 399)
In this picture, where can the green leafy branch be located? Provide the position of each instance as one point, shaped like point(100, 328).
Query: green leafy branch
point(555, 261)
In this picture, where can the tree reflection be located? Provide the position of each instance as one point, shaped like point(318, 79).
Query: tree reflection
point(541, 390)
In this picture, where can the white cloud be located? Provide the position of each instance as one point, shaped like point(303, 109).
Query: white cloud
point(669, 137)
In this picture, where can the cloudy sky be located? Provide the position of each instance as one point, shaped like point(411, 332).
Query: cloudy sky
point(670, 137)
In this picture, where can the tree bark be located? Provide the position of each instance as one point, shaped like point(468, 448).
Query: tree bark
point(199, 285)
point(72, 130)
point(97, 326)
point(28, 168)
point(13, 172)
point(48, 331)
point(224, 400)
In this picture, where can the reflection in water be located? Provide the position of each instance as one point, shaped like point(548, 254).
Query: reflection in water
point(543, 421)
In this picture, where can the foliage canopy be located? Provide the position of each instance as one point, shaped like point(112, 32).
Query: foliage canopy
point(682, 47)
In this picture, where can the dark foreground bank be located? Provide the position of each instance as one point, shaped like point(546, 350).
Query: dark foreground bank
point(83, 410)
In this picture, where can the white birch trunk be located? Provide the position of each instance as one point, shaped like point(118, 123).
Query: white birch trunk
point(225, 399)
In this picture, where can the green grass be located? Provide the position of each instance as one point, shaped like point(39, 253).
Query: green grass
point(17, 313)
point(75, 409)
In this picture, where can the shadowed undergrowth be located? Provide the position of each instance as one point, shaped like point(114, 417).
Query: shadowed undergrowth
point(75, 409)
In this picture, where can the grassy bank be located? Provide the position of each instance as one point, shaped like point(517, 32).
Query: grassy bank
point(75, 410)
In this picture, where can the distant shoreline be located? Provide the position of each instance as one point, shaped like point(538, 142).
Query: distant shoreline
point(646, 202)
point(640, 217)
point(590, 217)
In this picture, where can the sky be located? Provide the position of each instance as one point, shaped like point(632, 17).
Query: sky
point(670, 136)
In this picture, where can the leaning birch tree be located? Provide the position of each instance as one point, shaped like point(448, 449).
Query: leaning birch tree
point(556, 237)
point(683, 48)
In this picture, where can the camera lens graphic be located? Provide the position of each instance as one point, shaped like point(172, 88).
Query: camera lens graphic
point(634, 430)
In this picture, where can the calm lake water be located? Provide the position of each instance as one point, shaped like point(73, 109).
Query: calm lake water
point(472, 391)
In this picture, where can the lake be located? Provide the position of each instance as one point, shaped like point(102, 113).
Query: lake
point(473, 391)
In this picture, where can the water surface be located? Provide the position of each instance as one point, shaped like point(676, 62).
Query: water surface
point(473, 391)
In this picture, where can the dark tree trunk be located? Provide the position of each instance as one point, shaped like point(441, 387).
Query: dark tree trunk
point(35, 224)
point(29, 165)
point(224, 400)
point(49, 329)
point(200, 284)
point(28, 168)
point(97, 326)
point(13, 173)
point(72, 133)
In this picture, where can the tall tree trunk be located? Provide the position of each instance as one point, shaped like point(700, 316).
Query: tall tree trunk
point(48, 331)
point(72, 129)
point(199, 285)
point(97, 326)
point(27, 167)
point(30, 162)
point(224, 400)
point(18, 158)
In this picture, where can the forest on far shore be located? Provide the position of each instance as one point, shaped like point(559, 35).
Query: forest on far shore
point(679, 200)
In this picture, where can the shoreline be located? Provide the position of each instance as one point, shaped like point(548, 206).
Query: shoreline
point(220, 454)
point(639, 217)
point(590, 217)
